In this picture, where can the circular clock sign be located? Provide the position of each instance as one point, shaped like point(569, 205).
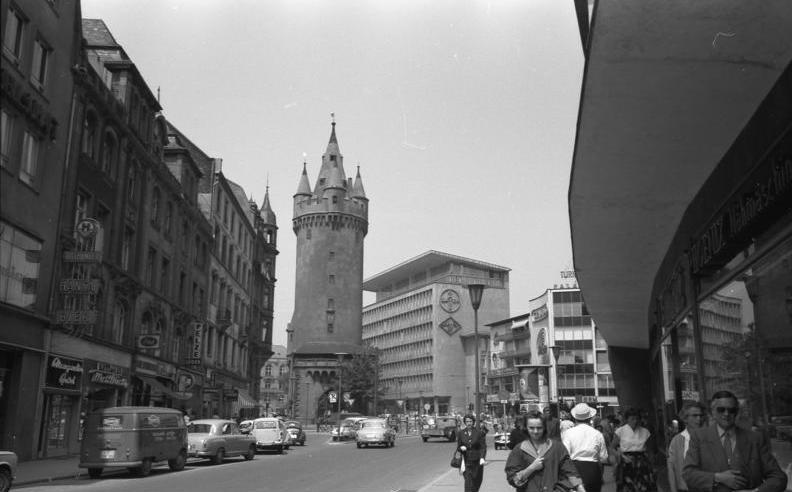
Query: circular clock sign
point(449, 301)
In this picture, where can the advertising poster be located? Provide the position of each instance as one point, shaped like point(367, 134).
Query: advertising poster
point(529, 383)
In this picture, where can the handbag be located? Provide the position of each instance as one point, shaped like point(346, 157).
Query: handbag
point(456, 460)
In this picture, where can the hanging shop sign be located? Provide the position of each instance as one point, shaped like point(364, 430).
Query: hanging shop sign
point(153, 367)
point(64, 373)
point(539, 313)
point(148, 341)
point(107, 374)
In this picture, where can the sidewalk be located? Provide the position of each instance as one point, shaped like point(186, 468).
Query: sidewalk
point(494, 477)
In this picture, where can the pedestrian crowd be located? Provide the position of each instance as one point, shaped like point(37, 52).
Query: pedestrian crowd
point(569, 453)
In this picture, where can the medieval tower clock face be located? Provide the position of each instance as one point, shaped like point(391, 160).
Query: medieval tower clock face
point(449, 301)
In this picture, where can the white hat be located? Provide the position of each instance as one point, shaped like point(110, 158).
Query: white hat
point(581, 411)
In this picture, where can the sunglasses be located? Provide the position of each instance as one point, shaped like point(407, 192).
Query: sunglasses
point(730, 410)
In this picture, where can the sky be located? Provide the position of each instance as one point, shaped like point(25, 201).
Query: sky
point(460, 113)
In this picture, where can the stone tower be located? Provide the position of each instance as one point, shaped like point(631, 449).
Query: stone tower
point(330, 222)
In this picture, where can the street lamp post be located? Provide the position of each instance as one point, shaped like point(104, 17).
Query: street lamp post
point(476, 291)
point(307, 400)
point(340, 396)
point(421, 410)
point(554, 375)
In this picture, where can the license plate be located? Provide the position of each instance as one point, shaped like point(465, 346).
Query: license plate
point(108, 454)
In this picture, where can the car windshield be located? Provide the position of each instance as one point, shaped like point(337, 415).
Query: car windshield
point(199, 428)
point(266, 424)
point(369, 424)
point(295, 425)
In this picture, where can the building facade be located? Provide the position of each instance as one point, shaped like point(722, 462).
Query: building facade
point(553, 355)
point(330, 223)
point(41, 43)
point(274, 391)
point(682, 230)
point(422, 322)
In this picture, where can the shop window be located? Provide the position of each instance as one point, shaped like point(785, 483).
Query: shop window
point(20, 257)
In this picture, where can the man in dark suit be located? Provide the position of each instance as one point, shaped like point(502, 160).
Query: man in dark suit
point(473, 446)
point(725, 457)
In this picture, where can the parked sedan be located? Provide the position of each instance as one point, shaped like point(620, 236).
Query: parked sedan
point(270, 433)
point(217, 439)
point(8, 467)
point(296, 432)
point(346, 430)
point(375, 431)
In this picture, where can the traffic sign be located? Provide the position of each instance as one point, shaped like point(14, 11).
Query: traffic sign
point(332, 397)
point(427, 406)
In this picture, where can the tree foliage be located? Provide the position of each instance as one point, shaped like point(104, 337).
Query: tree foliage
point(360, 375)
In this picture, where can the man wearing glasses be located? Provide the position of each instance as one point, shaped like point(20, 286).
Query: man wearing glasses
point(725, 457)
point(692, 415)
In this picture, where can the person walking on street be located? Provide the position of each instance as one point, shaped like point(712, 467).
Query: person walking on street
point(541, 464)
point(472, 443)
point(634, 472)
point(519, 433)
point(586, 446)
point(725, 457)
point(553, 424)
point(692, 415)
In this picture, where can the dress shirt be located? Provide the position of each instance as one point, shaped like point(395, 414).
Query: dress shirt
point(722, 435)
point(585, 443)
point(632, 440)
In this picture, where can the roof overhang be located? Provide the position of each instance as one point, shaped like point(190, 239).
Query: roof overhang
point(668, 86)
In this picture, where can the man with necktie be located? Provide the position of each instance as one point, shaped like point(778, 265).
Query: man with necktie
point(725, 457)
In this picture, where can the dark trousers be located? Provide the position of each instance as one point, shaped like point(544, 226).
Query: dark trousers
point(591, 474)
point(474, 474)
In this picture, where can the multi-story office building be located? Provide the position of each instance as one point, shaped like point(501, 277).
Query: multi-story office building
point(554, 354)
point(422, 321)
point(41, 43)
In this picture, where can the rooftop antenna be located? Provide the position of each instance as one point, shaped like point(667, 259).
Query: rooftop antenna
point(158, 94)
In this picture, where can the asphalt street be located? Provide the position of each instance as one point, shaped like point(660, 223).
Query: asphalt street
point(320, 466)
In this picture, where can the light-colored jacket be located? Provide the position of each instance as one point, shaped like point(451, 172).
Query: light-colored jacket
point(676, 458)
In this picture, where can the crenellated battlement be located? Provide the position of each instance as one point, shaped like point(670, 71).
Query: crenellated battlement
point(333, 221)
point(309, 205)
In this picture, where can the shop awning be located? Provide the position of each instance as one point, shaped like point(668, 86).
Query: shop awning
point(244, 400)
point(163, 389)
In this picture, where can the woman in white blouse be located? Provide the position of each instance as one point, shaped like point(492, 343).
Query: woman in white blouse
point(634, 471)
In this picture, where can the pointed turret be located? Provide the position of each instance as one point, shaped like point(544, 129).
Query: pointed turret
point(357, 188)
point(304, 188)
point(331, 159)
point(334, 180)
point(266, 214)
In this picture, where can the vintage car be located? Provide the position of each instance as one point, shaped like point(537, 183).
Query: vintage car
point(217, 439)
point(270, 434)
point(439, 426)
point(375, 431)
point(134, 438)
point(246, 426)
point(346, 430)
point(296, 433)
point(501, 440)
point(8, 467)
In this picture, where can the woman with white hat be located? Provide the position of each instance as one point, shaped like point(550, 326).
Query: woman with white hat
point(586, 446)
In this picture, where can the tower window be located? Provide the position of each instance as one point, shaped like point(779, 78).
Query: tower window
point(330, 328)
point(330, 304)
point(332, 255)
point(331, 279)
point(332, 158)
point(308, 233)
point(335, 199)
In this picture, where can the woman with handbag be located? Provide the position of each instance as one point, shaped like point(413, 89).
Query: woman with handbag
point(541, 464)
point(473, 446)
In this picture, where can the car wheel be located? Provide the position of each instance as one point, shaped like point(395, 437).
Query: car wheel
point(280, 450)
point(92, 472)
point(6, 479)
point(251, 453)
point(144, 469)
point(177, 463)
point(359, 445)
point(335, 438)
point(219, 457)
point(425, 439)
point(393, 443)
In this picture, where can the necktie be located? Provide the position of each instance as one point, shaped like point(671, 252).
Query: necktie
point(727, 446)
